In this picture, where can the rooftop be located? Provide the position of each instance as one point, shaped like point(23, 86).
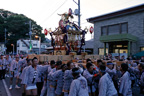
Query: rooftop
point(89, 43)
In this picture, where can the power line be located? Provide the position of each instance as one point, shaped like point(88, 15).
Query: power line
point(55, 11)
point(52, 6)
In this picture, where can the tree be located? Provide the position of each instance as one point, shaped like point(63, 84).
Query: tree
point(17, 28)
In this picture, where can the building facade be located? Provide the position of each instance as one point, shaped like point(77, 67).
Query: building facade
point(23, 46)
point(119, 32)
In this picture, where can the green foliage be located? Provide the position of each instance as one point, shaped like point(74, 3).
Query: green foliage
point(17, 26)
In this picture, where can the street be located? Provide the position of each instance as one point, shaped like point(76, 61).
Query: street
point(2, 89)
point(13, 92)
point(18, 92)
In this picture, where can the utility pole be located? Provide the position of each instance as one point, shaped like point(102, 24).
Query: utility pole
point(78, 11)
point(79, 16)
point(5, 39)
point(5, 35)
point(30, 33)
point(5, 17)
point(39, 45)
point(13, 48)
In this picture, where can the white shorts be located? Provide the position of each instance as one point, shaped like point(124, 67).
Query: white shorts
point(31, 87)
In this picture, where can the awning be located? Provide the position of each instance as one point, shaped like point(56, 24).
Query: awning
point(119, 37)
point(139, 55)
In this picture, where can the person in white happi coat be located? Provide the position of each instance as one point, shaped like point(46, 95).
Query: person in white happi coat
point(59, 77)
point(29, 62)
point(14, 70)
point(110, 69)
point(79, 86)
point(52, 82)
point(31, 77)
point(52, 66)
point(44, 88)
point(125, 81)
point(3, 67)
point(106, 86)
point(22, 64)
point(68, 78)
point(90, 74)
point(41, 77)
point(141, 69)
point(8, 62)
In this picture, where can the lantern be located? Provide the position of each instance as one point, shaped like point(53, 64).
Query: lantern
point(45, 31)
point(91, 29)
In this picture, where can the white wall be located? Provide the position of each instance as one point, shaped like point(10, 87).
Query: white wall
point(35, 44)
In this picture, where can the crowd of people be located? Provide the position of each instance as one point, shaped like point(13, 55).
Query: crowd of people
point(54, 78)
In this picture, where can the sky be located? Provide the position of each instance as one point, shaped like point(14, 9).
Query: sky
point(45, 12)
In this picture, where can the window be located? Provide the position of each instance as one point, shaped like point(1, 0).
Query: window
point(17, 44)
point(125, 46)
point(43, 46)
point(104, 31)
point(124, 28)
point(101, 51)
point(141, 48)
point(23, 45)
point(118, 45)
point(34, 44)
point(114, 29)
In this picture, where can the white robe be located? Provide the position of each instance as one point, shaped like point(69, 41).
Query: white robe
point(79, 87)
point(3, 64)
point(106, 86)
point(68, 78)
point(125, 85)
point(31, 73)
point(8, 62)
point(48, 81)
point(23, 74)
point(14, 68)
point(58, 75)
point(45, 85)
point(52, 83)
point(91, 83)
point(142, 79)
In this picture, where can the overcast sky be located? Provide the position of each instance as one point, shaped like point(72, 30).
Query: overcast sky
point(44, 12)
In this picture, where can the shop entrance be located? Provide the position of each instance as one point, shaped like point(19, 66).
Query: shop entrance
point(118, 47)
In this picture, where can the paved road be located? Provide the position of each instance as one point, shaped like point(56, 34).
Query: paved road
point(2, 89)
point(18, 92)
point(13, 92)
